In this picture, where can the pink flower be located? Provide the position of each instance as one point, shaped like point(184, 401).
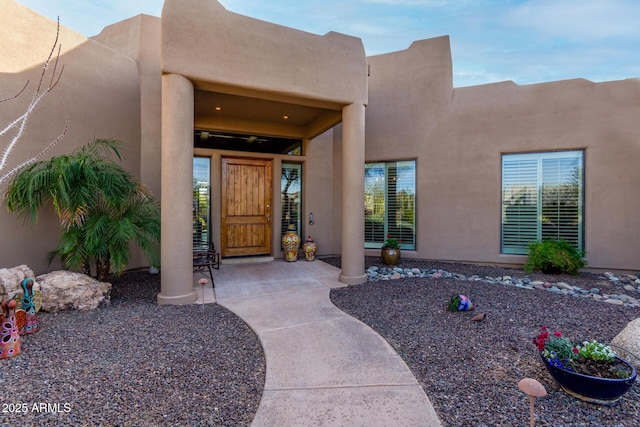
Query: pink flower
point(575, 350)
point(557, 334)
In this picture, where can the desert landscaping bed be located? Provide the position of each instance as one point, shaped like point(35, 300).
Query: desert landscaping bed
point(135, 363)
point(470, 370)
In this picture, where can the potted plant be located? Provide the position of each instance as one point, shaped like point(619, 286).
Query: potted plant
point(391, 250)
point(590, 371)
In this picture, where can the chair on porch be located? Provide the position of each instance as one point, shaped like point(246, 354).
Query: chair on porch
point(205, 257)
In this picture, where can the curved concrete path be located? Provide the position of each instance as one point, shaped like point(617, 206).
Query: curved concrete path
point(323, 366)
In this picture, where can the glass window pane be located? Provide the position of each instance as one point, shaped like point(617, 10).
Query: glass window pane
point(390, 203)
point(374, 204)
point(290, 196)
point(201, 201)
point(248, 143)
point(542, 198)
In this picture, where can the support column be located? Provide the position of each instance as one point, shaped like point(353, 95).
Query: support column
point(353, 195)
point(177, 191)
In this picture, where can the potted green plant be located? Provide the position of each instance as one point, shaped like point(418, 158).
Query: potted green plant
point(391, 250)
point(590, 371)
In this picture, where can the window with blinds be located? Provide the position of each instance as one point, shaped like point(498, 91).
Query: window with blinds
point(389, 199)
point(290, 196)
point(542, 199)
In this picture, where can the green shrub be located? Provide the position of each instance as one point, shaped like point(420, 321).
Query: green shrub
point(554, 257)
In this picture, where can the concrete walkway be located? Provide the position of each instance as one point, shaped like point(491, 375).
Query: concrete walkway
point(323, 366)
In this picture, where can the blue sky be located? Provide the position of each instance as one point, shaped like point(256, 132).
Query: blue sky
point(527, 41)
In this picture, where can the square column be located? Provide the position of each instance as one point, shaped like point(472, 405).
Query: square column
point(176, 245)
point(353, 195)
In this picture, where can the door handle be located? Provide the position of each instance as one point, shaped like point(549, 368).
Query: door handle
point(268, 219)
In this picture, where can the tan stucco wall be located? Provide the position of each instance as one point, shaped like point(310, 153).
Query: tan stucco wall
point(99, 94)
point(458, 135)
point(318, 181)
point(260, 56)
point(139, 38)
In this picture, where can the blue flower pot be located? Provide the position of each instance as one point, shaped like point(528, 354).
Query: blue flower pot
point(602, 391)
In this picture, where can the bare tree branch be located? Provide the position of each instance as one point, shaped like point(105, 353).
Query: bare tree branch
point(19, 124)
point(17, 94)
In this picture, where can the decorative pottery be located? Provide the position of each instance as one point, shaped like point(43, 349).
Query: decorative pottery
point(291, 243)
point(309, 249)
point(602, 391)
point(390, 256)
point(31, 318)
point(9, 336)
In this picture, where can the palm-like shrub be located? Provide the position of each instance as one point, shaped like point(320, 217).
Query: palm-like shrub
point(101, 208)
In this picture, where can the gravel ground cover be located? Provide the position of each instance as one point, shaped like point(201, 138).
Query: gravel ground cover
point(470, 370)
point(135, 363)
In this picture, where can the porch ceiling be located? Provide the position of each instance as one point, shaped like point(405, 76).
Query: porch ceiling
point(259, 115)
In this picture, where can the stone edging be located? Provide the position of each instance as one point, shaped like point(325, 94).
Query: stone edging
point(627, 283)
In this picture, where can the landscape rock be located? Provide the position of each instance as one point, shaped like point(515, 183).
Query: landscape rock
point(63, 290)
point(629, 341)
point(10, 279)
point(562, 285)
point(561, 288)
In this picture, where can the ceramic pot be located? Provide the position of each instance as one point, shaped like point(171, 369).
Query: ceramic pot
point(9, 334)
point(291, 243)
point(390, 256)
point(602, 391)
point(309, 249)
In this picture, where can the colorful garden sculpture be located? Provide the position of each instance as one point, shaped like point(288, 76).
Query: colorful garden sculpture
point(460, 303)
point(29, 306)
point(9, 336)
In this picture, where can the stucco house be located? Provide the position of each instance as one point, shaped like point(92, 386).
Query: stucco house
point(241, 127)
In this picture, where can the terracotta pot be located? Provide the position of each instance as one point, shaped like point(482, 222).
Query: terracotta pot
point(602, 391)
point(390, 256)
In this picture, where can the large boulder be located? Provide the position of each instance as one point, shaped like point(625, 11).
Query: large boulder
point(629, 340)
point(10, 279)
point(65, 289)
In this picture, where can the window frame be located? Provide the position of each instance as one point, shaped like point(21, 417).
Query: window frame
point(541, 178)
point(202, 237)
point(373, 239)
point(298, 220)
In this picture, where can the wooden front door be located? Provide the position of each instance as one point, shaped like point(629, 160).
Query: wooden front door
point(246, 207)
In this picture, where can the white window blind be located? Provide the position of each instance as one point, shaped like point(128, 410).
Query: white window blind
point(390, 203)
point(542, 199)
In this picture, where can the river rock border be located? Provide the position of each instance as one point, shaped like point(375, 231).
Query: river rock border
point(628, 283)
